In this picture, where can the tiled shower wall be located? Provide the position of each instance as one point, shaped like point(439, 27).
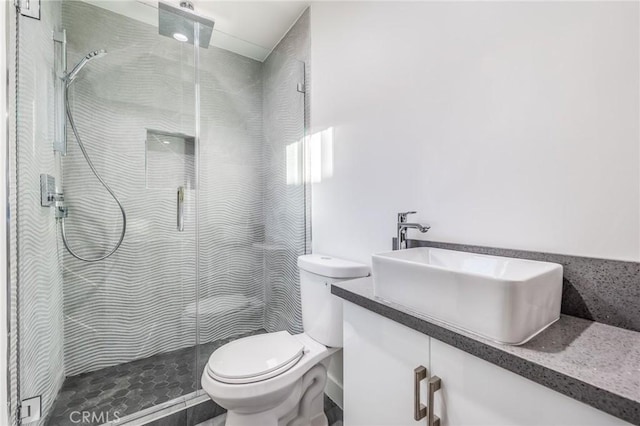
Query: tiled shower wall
point(38, 260)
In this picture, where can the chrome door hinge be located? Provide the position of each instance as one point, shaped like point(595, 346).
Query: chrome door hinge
point(30, 409)
point(28, 8)
point(301, 88)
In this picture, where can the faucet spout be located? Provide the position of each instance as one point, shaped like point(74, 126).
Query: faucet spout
point(403, 225)
point(422, 227)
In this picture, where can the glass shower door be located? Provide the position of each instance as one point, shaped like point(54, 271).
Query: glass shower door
point(101, 340)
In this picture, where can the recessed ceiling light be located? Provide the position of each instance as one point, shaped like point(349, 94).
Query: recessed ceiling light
point(180, 37)
point(166, 142)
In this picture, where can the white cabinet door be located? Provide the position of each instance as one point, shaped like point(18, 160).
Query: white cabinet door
point(380, 356)
point(475, 392)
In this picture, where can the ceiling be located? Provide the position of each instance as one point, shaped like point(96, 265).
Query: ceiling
point(249, 28)
point(261, 23)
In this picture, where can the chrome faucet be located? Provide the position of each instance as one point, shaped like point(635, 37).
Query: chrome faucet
point(403, 225)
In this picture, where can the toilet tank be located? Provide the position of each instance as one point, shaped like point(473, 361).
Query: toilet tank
point(322, 311)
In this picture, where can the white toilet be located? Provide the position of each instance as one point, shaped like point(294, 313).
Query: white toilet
point(278, 378)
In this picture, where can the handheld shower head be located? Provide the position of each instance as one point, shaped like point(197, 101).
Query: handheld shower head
point(96, 54)
point(91, 55)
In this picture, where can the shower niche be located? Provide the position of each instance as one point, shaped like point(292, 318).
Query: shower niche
point(169, 160)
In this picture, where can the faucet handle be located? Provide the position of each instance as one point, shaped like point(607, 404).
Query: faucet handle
point(402, 216)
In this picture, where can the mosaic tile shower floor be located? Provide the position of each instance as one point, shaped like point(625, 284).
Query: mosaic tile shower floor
point(133, 386)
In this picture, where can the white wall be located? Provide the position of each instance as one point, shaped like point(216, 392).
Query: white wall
point(510, 125)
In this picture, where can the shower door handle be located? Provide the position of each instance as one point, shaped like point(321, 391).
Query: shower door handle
point(180, 208)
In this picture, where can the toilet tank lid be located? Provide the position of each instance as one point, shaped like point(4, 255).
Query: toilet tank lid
point(332, 267)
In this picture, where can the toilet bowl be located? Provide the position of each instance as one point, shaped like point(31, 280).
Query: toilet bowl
point(278, 378)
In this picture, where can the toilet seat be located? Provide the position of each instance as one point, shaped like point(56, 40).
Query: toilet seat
point(255, 358)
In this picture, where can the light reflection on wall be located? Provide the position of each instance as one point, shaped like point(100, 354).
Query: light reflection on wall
point(314, 162)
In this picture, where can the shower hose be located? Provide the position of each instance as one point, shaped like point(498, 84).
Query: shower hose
point(109, 190)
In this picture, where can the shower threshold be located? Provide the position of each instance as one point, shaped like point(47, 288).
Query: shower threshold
point(116, 394)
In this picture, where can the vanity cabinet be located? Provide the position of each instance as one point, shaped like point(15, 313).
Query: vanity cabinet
point(380, 357)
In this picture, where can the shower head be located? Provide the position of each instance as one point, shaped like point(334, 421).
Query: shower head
point(91, 55)
point(180, 23)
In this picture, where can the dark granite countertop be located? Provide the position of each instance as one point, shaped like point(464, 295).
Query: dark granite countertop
point(594, 363)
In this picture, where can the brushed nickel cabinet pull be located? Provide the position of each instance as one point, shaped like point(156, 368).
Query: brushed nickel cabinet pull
point(435, 383)
point(419, 410)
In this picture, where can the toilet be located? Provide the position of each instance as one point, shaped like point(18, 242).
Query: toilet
point(279, 378)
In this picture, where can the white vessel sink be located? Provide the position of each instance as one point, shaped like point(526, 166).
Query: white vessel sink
point(503, 299)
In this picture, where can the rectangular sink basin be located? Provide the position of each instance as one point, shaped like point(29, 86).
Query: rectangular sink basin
point(503, 299)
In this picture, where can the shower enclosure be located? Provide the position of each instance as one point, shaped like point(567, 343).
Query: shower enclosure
point(203, 151)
